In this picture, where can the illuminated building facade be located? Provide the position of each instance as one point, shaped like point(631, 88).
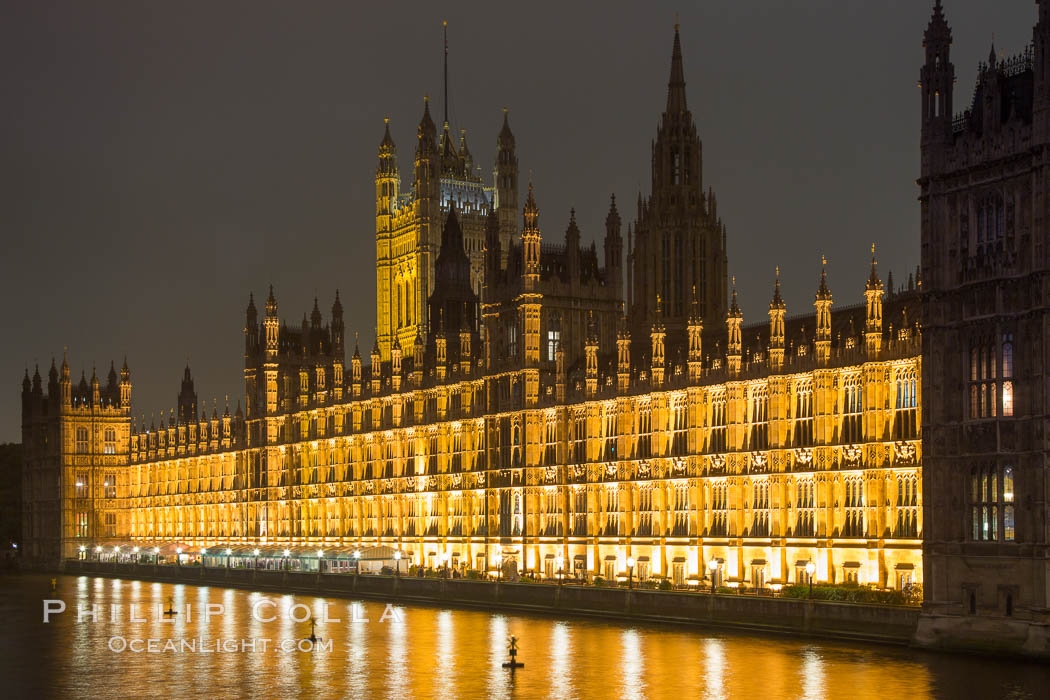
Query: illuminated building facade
point(529, 424)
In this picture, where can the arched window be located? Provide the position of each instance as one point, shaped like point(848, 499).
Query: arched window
point(759, 420)
point(804, 414)
point(852, 410)
point(718, 423)
point(1007, 374)
point(110, 442)
point(906, 414)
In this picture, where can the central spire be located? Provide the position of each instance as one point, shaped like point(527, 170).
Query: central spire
point(676, 85)
point(444, 25)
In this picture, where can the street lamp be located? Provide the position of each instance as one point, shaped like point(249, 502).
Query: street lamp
point(630, 573)
point(204, 550)
point(255, 564)
point(98, 553)
point(560, 563)
point(135, 551)
point(116, 554)
point(287, 564)
point(712, 566)
point(228, 553)
point(320, 560)
point(178, 556)
point(156, 555)
point(82, 552)
point(397, 563)
point(357, 566)
point(811, 569)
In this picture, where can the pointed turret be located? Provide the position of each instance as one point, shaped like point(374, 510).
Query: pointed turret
point(376, 369)
point(936, 81)
point(338, 329)
point(623, 356)
point(614, 248)
point(873, 309)
point(591, 356)
point(96, 398)
point(777, 311)
point(65, 383)
point(52, 382)
point(572, 246)
point(657, 335)
point(270, 327)
point(822, 304)
point(251, 330)
point(187, 398)
point(694, 332)
point(464, 154)
point(315, 316)
point(355, 369)
point(530, 238)
point(506, 182)
point(734, 323)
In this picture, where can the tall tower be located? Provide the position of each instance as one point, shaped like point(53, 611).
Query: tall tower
point(985, 204)
point(679, 241)
point(936, 79)
point(506, 176)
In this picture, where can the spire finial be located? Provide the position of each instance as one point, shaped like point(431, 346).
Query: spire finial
point(676, 21)
point(676, 103)
point(444, 25)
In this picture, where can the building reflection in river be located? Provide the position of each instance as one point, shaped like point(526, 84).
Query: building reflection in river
point(447, 654)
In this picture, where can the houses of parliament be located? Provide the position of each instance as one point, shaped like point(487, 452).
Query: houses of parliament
point(533, 405)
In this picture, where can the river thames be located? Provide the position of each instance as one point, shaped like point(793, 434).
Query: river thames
point(252, 646)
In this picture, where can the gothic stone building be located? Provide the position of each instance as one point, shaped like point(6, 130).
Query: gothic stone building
point(527, 423)
point(985, 206)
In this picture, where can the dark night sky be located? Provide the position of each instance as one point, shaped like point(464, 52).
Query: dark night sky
point(160, 160)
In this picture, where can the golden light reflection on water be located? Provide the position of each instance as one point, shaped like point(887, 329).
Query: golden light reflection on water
point(434, 652)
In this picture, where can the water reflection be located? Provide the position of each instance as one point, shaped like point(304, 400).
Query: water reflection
point(438, 653)
point(812, 681)
point(714, 669)
point(632, 668)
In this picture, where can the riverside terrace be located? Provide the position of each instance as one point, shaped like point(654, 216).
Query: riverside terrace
point(389, 562)
point(766, 611)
